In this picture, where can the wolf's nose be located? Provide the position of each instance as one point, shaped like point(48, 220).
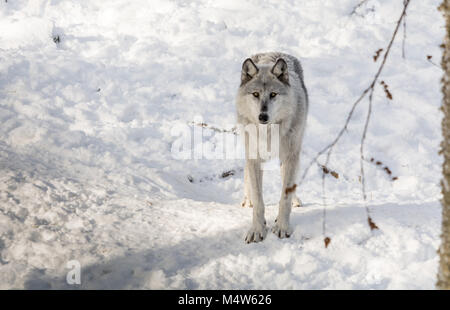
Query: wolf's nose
point(263, 118)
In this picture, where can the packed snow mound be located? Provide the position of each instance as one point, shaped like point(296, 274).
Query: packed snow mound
point(90, 94)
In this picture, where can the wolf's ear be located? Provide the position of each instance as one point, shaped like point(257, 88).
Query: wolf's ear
point(249, 70)
point(280, 70)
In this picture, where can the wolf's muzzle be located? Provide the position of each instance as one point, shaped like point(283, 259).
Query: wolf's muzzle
point(263, 118)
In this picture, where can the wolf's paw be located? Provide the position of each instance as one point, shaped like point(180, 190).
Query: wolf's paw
point(246, 203)
point(296, 202)
point(256, 233)
point(282, 231)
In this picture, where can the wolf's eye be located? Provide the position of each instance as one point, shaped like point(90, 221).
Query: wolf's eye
point(272, 95)
point(255, 94)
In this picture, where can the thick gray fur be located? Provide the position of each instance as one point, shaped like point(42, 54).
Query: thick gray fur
point(282, 74)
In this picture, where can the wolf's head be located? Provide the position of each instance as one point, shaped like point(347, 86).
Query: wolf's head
point(264, 93)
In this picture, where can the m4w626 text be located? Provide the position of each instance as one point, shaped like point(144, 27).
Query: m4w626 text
point(246, 299)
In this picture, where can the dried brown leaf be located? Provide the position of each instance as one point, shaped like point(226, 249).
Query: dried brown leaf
point(227, 174)
point(388, 94)
point(377, 54)
point(372, 225)
point(327, 241)
point(335, 174)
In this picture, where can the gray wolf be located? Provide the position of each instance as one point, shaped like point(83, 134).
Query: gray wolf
point(272, 91)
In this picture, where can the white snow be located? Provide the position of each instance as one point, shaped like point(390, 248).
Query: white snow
point(86, 125)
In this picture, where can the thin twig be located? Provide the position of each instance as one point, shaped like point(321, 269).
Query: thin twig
point(356, 7)
point(404, 34)
point(216, 129)
point(361, 159)
point(432, 62)
point(324, 211)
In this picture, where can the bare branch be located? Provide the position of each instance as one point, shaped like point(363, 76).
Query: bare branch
point(361, 153)
point(432, 62)
point(369, 90)
point(356, 7)
point(214, 128)
point(404, 34)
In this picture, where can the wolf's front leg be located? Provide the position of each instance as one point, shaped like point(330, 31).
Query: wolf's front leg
point(258, 230)
point(289, 171)
point(247, 195)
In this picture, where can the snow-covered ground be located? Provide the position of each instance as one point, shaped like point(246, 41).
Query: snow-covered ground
point(90, 95)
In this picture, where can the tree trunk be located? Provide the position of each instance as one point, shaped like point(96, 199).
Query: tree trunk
point(444, 250)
